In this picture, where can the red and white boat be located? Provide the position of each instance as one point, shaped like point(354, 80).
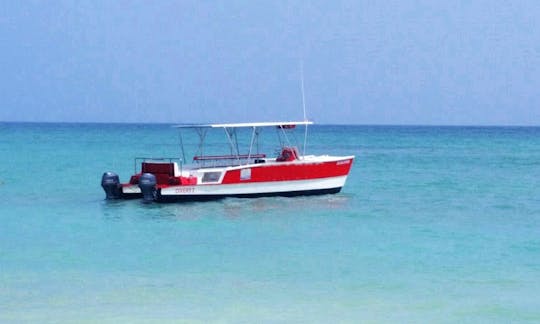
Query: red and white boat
point(236, 174)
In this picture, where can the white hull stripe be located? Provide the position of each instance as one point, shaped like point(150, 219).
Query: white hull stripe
point(132, 189)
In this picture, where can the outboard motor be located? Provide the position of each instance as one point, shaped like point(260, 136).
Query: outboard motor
point(111, 184)
point(147, 183)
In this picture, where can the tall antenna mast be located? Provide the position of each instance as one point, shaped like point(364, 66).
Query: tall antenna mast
point(303, 104)
point(302, 88)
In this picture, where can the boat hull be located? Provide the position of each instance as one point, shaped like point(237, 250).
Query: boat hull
point(252, 190)
point(209, 197)
point(310, 176)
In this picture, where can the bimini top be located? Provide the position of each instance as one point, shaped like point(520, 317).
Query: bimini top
point(239, 125)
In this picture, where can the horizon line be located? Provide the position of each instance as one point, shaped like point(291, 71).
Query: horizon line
point(314, 124)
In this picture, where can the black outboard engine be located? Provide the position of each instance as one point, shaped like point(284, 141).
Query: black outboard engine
point(147, 183)
point(111, 184)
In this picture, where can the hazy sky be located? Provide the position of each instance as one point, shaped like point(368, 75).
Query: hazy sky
point(365, 62)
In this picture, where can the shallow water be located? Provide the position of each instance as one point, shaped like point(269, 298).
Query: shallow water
point(435, 224)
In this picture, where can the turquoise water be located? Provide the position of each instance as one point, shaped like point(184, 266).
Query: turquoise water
point(435, 224)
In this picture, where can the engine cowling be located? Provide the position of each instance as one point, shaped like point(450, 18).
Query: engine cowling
point(110, 182)
point(147, 183)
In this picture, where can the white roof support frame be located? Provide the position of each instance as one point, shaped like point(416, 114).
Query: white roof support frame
point(238, 125)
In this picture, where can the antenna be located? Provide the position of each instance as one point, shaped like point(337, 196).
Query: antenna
point(302, 88)
point(303, 105)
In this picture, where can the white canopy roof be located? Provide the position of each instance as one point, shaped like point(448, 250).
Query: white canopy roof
point(238, 125)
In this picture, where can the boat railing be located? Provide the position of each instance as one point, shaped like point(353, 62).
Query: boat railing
point(227, 160)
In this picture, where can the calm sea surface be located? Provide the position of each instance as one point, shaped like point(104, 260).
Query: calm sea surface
point(435, 224)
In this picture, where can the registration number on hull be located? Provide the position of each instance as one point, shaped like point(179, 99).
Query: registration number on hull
point(184, 190)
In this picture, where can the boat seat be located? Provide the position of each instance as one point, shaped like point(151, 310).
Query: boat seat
point(162, 171)
point(156, 167)
point(288, 154)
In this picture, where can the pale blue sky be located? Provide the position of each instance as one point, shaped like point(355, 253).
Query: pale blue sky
point(365, 62)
